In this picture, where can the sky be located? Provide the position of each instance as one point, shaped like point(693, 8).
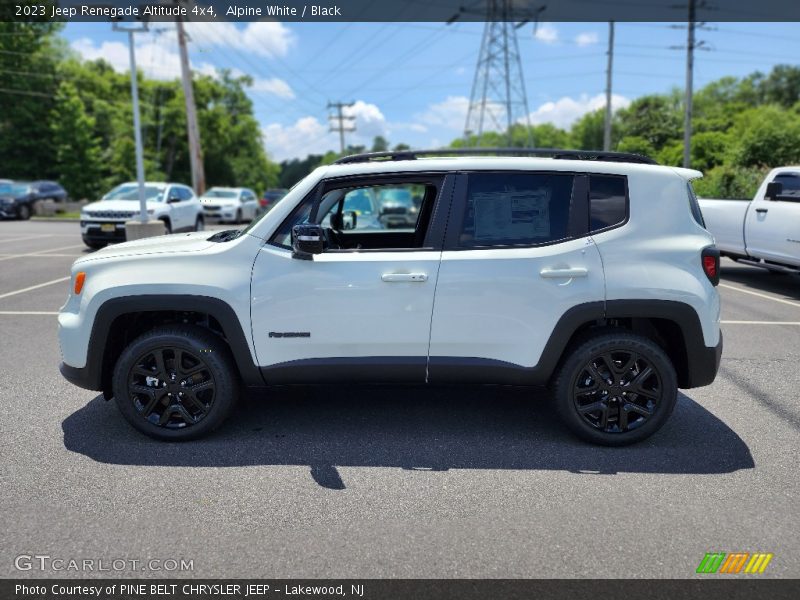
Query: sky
point(411, 82)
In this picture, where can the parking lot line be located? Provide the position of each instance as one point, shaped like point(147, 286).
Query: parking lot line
point(27, 312)
point(759, 294)
point(760, 322)
point(22, 239)
point(41, 252)
point(34, 287)
point(40, 255)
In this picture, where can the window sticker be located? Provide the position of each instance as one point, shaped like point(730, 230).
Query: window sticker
point(512, 215)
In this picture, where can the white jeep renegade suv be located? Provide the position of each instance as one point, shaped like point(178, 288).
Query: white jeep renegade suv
point(588, 272)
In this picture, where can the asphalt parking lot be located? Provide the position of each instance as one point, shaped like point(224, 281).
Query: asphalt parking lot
point(371, 482)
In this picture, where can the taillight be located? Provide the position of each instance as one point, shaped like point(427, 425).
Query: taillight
point(710, 260)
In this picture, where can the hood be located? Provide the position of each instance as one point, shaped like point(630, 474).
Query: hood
point(119, 206)
point(163, 244)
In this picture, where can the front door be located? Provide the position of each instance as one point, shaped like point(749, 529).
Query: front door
point(362, 309)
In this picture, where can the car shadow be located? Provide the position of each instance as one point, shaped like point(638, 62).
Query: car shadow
point(758, 279)
point(418, 428)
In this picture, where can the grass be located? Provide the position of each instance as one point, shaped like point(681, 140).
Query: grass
point(67, 215)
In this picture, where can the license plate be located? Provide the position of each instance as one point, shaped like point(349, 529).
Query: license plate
point(108, 227)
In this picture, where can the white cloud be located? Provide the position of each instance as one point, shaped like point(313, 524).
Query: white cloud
point(309, 135)
point(587, 38)
point(274, 86)
point(546, 33)
point(156, 57)
point(262, 38)
point(450, 113)
point(305, 136)
point(566, 110)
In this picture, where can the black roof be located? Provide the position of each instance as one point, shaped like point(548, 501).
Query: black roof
point(538, 152)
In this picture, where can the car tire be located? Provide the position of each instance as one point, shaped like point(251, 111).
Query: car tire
point(24, 212)
point(167, 226)
point(94, 245)
point(238, 218)
point(199, 224)
point(615, 388)
point(154, 388)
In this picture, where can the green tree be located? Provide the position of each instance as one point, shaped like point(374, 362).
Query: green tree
point(379, 144)
point(77, 154)
point(29, 54)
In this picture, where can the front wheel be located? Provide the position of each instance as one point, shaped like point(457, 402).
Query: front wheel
point(24, 212)
point(199, 224)
point(176, 382)
point(616, 388)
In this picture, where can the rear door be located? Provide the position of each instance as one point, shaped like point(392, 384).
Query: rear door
point(517, 257)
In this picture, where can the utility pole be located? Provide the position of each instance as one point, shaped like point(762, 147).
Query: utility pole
point(195, 151)
point(609, 67)
point(687, 115)
point(137, 129)
point(340, 119)
point(692, 25)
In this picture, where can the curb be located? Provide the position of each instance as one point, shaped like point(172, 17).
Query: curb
point(54, 220)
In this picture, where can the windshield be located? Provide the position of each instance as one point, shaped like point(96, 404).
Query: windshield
point(13, 189)
point(397, 196)
point(214, 193)
point(130, 191)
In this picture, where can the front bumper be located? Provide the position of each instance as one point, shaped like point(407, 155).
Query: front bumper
point(8, 211)
point(82, 377)
point(93, 231)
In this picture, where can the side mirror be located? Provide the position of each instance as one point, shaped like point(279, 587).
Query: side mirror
point(774, 190)
point(350, 219)
point(307, 240)
point(173, 199)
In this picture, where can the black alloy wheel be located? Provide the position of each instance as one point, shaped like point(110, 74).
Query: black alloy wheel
point(171, 387)
point(617, 391)
point(176, 382)
point(615, 388)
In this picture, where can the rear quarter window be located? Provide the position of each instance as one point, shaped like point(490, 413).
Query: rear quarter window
point(694, 206)
point(608, 201)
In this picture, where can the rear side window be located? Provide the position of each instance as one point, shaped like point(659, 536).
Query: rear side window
point(608, 201)
point(694, 206)
point(515, 209)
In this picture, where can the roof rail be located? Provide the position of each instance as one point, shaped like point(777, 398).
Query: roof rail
point(539, 152)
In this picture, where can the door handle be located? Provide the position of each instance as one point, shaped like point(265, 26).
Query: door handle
point(564, 273)
point(761, 210)
point(400, 277)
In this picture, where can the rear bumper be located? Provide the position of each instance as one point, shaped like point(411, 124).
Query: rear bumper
point(703, 364)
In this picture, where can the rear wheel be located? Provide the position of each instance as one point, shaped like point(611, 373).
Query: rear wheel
point(176, 383)
point(616, 389)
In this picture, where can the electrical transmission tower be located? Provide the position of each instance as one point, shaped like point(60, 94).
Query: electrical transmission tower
point(498, 100)
point(341, 122)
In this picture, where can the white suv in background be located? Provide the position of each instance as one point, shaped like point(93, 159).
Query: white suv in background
point(587, 272)
point(231, 205)
point(175, 204)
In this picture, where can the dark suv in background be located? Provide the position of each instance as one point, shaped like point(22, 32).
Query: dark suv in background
point(17, 198)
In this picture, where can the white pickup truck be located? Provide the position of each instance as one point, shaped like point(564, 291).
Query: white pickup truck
point(764, 231)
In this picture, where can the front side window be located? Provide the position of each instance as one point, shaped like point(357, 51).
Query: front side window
point(791, 186)
point(515, 209)
point(368, 217)
point(608, 201)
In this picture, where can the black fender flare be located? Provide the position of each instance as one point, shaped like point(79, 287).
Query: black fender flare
point(91, 376)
